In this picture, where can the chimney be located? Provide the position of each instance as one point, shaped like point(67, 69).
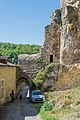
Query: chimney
point(3, 59)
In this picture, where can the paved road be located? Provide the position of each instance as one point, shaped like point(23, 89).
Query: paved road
point(19, 110)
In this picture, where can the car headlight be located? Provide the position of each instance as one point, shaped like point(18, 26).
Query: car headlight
point(33, 97)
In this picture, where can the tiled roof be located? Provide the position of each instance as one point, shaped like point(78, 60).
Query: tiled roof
point(8, 64)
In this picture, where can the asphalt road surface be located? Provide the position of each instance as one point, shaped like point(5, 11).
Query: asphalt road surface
point(19, 110)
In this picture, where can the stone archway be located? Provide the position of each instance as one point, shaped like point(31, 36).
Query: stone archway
point(22, 84)
point(22, 80)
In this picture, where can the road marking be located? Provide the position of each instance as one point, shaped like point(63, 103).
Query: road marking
point(32, 118)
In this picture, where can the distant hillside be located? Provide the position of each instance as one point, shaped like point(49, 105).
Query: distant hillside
point(13, 50)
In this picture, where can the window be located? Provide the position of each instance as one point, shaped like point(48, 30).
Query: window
point(2, 88)
point(51, 58)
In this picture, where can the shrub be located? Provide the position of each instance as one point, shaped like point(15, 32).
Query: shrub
point(47, 106)
point(69, 97)
point(68, 102)
point(44, 74)
point(47, 116)
point(40, 76)
point(77, 103)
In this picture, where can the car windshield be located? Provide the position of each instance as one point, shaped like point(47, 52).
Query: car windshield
point(36, 93)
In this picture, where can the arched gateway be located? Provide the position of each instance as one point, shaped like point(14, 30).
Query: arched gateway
point(23, 82)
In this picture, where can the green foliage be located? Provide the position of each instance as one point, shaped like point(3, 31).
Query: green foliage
point(51, 65)
point(39, 60)
point(40, 76)
point(68, 96)
point(77, 103)
point(58, 11)
point(47, 111)
point(47, 106)
point(13, 50)
point(44, 73)
point(47, 116)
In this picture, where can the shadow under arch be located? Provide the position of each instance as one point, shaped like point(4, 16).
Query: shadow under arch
point(27, 82)
point(22, 79)
point(21, 83)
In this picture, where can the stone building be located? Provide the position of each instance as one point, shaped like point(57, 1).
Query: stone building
point(7, 82)
point(70, 32)
point(51, 50)
point(4, 59)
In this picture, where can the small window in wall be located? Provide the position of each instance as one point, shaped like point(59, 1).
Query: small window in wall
point(51, 58)
point(2, 89)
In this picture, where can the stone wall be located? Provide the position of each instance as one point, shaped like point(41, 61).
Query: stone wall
point(22, 78)
point(7, 82)
point(53, 72)
point(70, 33)
point(51, 50)
point(61, 77)
point(69, 79)
point(30, 64)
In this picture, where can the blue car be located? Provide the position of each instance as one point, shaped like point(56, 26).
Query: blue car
point(37, 96)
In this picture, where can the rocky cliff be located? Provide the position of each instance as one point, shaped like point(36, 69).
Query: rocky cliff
point(70, 33)
point(62, 45)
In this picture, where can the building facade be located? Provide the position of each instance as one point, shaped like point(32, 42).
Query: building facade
point(7, 82)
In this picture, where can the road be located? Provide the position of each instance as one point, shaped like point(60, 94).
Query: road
point(19, 110)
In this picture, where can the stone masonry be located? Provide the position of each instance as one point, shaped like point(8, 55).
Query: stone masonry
point(30, 64)
point(51, 50)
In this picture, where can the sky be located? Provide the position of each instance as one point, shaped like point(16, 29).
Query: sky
point(23, 21)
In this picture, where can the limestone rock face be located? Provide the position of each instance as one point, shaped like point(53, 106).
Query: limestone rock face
point(70, 77)
point(70, 33)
